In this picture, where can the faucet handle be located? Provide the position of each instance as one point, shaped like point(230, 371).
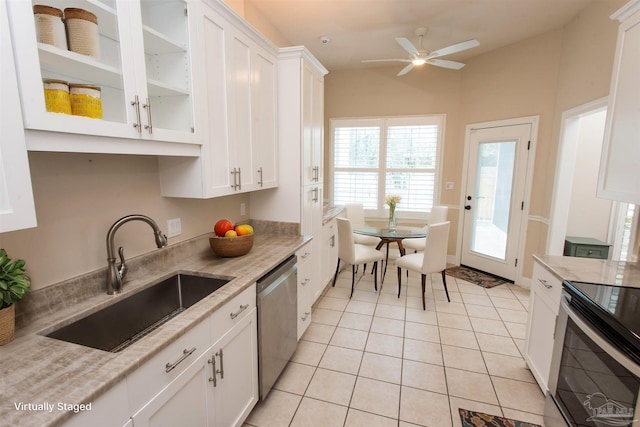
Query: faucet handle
point(122, 269)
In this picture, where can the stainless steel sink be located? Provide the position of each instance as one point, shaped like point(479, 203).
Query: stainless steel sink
point(117, 326)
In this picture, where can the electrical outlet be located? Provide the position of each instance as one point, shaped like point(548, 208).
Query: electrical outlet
point(243, 210)
point(174, 227)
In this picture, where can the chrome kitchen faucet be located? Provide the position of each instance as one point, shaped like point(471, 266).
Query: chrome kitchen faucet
point(115, 275)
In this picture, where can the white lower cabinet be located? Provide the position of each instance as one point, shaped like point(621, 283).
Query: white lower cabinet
point(330, 250)
point(206, 378)
point(304, 262)
point(544, 306)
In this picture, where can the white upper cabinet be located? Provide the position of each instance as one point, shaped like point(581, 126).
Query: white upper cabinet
point(143, 69)
point(620, 162)
point(239, 112)
point(17, 210)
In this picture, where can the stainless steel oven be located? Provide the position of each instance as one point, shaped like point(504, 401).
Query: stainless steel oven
point(595, 368)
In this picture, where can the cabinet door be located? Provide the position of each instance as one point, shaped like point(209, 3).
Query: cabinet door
point(17, 210)
point(317, 242)
point(162, 50)
point(143, 72)
point(330, 250)
point(264, 120)
point(184, 402)
point(236, 390)
point(540, 338)
point(620, 161)
point(317, 133)
point(238, 60)
point(306, 102)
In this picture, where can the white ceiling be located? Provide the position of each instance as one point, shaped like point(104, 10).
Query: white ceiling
point(366, 29)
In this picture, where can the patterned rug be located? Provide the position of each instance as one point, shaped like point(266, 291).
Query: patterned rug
point(479, 419)
point(474, 276)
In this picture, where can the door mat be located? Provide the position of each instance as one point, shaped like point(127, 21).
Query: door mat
point(479, 419)
point(474, 276)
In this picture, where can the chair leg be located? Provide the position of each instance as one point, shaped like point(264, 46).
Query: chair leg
point(444, 282)
point(399, 280)
point(364, 269)
point(424, 304)
point(353, 279)
point(375, 277)
point(336, 275)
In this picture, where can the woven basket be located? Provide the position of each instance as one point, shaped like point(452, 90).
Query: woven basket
point(231, 246)
point(49, 26)
point(82, 31)
point(7, 324)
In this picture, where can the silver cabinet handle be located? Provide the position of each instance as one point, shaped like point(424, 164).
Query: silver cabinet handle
point(305, 282)
point(315, 192)
point(260, 174)
point(243, 307)
point(221, 370)
point(235, 185)
point(306, 316)
point(305, 255)
point(149, 126)
point(545, 284)
point(136, 105)
point(213, 379)
point(185, 353)
point(239, 179)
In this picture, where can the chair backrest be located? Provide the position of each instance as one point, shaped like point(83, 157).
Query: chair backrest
point(438, 214)
point(346, 244)
point(355, 213)
point(435, 251)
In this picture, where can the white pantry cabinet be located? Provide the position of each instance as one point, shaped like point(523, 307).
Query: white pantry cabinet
point(299, 196)
point(544, 306)
point(620, 160)
point(239, 109)
point(144, 72)
point(17, 210)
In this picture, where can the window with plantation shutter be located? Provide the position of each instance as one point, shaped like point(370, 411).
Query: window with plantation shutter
point(376, 157)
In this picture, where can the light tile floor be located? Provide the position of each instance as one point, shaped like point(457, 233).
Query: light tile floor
point(379, 360)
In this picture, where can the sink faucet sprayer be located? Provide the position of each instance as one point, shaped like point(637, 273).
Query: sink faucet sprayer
point(115, 275)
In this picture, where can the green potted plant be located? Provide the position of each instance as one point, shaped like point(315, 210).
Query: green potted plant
point(14, 285)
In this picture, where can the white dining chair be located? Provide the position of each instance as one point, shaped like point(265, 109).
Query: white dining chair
point(355, 214)
point(432, 260)
point(355, 254)
point(438, 214)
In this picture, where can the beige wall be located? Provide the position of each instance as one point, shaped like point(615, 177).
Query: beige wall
point(79, 196)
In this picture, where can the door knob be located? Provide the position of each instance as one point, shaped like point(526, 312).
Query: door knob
point(468, 207)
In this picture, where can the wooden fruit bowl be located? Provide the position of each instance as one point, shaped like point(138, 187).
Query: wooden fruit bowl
point(228, 247)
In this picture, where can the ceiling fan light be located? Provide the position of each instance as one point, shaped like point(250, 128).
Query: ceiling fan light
point(418, 61)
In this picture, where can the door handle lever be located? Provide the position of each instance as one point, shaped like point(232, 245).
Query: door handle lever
point(467, 207)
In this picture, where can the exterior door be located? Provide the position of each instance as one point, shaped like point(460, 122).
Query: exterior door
point(497, 159)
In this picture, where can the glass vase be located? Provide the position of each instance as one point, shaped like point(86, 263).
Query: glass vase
point(393, 220)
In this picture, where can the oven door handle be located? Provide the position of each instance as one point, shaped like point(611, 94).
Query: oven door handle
point(616, 354)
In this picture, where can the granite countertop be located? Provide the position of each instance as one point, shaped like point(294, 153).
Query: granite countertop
point(329, 212)
point(592, 270)
point(37, 369)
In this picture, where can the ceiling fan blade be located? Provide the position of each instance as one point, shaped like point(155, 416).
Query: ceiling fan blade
point(405, 70)
point(407, 45)
point(386, 60)
point(455, 48)
point(445, 64)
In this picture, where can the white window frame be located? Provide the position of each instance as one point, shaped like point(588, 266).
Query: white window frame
point(384, 122)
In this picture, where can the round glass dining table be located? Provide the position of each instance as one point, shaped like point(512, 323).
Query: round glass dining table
point(388, 235)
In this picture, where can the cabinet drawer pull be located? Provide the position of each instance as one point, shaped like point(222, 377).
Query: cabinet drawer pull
point(305, 282)
point(185, 353)
point(545, 284)
point(213, 379)
point(305, 255)
point(221, 370)
point(306, 316)
point(260, 175)
point(243, 307)
point(149, 126)
point(136, 105)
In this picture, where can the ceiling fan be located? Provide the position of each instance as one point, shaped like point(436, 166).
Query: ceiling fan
point(420, 56)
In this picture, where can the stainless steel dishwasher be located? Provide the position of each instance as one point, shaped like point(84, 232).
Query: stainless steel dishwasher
point(277, 322)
